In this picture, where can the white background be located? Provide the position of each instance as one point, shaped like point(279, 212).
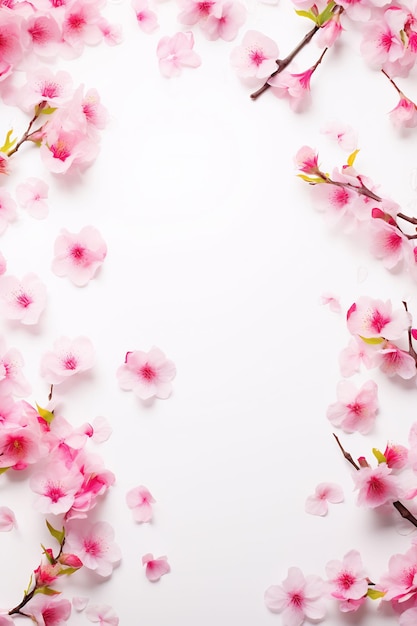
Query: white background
point(217, 256)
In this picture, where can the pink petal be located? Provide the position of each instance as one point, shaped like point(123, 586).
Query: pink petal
point(7, 519)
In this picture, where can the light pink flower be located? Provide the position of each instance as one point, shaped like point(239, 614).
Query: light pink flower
point(43, 85)
point(351, 357)
point(295, 87)
point(298, 598)
point(80, 25)
point(32, 196)
point(331, 301)
point(394, 361)
point(147, 19)
point(94, 545)
point(12, 379)
point(194, 11)
point(69, 357)
point(155, 568)
point(347, 581)
point(22, 300)
point(255, 57)
point(101, 429)
point(306, 160)
point(354, 410)
point(176, 52)
point(63, 150)
point(400, 582)
point(56, 486)
point(8, 212)
point(79, 255)
point(316, 504)
point(371, 318)
point(147, 374)
point(43, 35)
point(103, 614)
point(345, 136)
point(112, 33)
point(408, 618)
point(376, 486)
point(140, 500)
point(7, 519)
point(48, 610)
point(387, 242)
point(225, 21)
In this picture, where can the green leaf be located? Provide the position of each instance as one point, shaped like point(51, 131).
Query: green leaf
point(9, 143)
point(378, 455)
point(48, 110)
point(374, 594)
point(59, 535)
point(308, 14)
point(3, 469)
point(326, 15)
point(68, 571)
point(48, 416)
point(47, 591)
point(372, 341)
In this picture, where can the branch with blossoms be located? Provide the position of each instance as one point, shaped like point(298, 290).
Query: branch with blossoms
point(350, 199)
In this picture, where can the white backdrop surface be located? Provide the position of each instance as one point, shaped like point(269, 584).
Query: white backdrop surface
point(217, 256)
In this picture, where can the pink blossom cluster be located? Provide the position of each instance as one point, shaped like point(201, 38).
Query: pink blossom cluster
point(350, 201)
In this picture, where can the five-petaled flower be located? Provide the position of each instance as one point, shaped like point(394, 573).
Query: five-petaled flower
point(147, 374)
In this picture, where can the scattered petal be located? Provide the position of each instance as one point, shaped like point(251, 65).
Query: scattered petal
point(155, 568)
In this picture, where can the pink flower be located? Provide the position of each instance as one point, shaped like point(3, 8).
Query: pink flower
point(297, 598)
point(332, 301)
point(147, 19)
point(345, 136)
point(8, 211)
point(295, 87)
point(404, 115)
point(347, 581)
point(140, 500)
point(11, 375)
point(63, 150)
point(353, 355)
point(31, 195)
point(387, 242)
point(45, 86)
point(43, 34)
point(306, 160)
point(354, 410)
point(316, 504)
point(4, 161)
point(194, 11)
point(7, 519)
point(225, 21)
point(176, 52)
point(147, 374)
point(103, 614)
point(155, 568)
point(255, 57)
point(69, 357)
point(22, 300)
point(94, 545)
point(408, 618)
point(48, 610)
point(376, 486)
point(400, 582)
point(79, 255)
point(394, 361)
point(56, 486)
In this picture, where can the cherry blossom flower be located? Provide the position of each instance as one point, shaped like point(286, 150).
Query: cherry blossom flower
point(307, 160)
point(396, 456)
point(347, 581)
point(23, 300)
point(316, 504)
point(345, 136)
point(8, 212)
point(103, 614)
point(43, 35)
point(224, 22)
point(355, 353)
point(371, 318)
point(176, 52)
point(147, 374)
point(394, 361)
point(69, 357)
point(298, 598)
point(295, 87)
point(4, 161)
point(46, 87)
point(155, 568)
point(57, 486)
point(48, 610)
point(94, 545)
point(255, 57)
point(12, 379)
point(79, 255)
point(147, 19)
point(140, 500)
point(20, 447)
point(62, 150)
point(32, 196)
point(7, 519)
point(376, 486)
point(399, 583)
point(354, 410)
point(80, 25)
point(408, 618)
point(404, 115)
point(194, 11)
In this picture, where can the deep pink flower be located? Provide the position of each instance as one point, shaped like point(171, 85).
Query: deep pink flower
point(371, 318)
point(22, 300)
point(147, 374)
point(298, 597)
point(79, 255)
point(69, 357)
point(316, 504)
point(394, 361)
point(155, 568)
point(176, 52)
point(404, 115)
point(140, 500)
point(48, 610)
point(306, 160)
